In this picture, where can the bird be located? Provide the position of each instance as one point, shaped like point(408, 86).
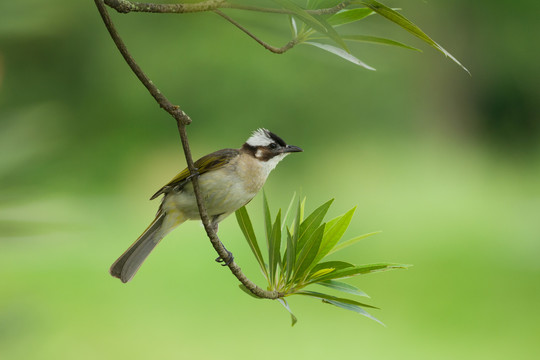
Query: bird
point(228, 180)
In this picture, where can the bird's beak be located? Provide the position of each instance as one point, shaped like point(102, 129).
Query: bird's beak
point(292, 148)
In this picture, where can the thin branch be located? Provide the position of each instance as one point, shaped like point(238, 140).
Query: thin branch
point(267, 46)
point(182, 119)
point(125, 6)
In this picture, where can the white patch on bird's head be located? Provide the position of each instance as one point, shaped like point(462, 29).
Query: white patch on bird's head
point(260, 137)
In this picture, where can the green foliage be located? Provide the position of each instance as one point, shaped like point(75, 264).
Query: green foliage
point(320, 26)
point(299, 264)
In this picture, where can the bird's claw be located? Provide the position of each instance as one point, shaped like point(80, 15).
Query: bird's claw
point(194, 174)
point(230, 258)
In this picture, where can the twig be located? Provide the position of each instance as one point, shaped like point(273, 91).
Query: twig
point(125, 6)
point(182, 119)
point(273, 49)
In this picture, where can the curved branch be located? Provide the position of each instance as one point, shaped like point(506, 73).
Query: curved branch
point(182, 119)
point(267, 46)
point(125, 6)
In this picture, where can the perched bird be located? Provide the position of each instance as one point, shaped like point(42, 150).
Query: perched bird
point(228, 179)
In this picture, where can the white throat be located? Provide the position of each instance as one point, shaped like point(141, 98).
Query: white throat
point(268, 166)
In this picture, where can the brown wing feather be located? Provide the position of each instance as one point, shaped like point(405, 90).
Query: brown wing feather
point(205, 164)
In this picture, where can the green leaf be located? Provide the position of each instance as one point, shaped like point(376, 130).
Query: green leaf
point(316, 22)
point(354, 308)
point(290, 255)
point(294, 28)
point(246, 290)
point(244, 222)
point(286, 305)
point(348, 16)
point(308, 253)
point(286, 217)
point(275, 242)
point(406, 24)
point(322, 296)
point(341, 286)
point(336, 265)
point(361, 270)
point(311, 223)
point(342, 54)
point(352, 241)
point(333, 232)
point(267, 219)
point(378, 40)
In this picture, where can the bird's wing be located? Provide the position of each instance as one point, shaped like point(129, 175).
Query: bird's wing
point(205, 164)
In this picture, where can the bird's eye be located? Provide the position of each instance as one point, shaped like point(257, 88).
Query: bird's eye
point(273, 145)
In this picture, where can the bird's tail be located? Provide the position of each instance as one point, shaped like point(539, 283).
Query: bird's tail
point(126, 266)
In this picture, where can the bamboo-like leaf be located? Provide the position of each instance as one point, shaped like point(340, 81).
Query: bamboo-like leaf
point(308, 253)
point(311, 223)
point(287, 213)
point(354, 308)
point(294, 28)
point(267, 219)
point(274, 258)
point(342, 54)
point(341, 286)
point(322, 296)
point(320, 272)
point(406, 24)
point(378, 40)
point(316, 22)
point(352, 241)
point(244, 222)
point(336, 265)
point(286, 305)
point(333, 233)
point(360, 270)
point(246, 290)
point(290, 255)
point(348, 16)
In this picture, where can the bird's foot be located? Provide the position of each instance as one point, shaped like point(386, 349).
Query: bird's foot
point(230, 258)
point(194, 174)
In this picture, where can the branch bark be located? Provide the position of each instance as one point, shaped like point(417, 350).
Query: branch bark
point(125, 6)
point(182, 120)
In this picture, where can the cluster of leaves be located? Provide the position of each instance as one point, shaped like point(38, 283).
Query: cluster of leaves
point(296, 251)
point(314, 26)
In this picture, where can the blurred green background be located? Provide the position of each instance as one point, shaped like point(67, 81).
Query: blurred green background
point(446, 165)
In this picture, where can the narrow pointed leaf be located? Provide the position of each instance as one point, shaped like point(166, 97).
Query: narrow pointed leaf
point(378, 40)
point(352, 241)
point(344, 287)
point(320, 272)
point(406, 24)
point(316, 22)
point(355, 308)
point(342, 54)
point(267, 219)
point(290, 254)
point(322, 296)
point(361, 270)
point(312, 223)
point(286, 305)
point(308, 253)
point(287, 213)
point(244, 222)
point(348, 16)
point(275, 243)
point(335, 265)
point(294, 28)
point(333, 233)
